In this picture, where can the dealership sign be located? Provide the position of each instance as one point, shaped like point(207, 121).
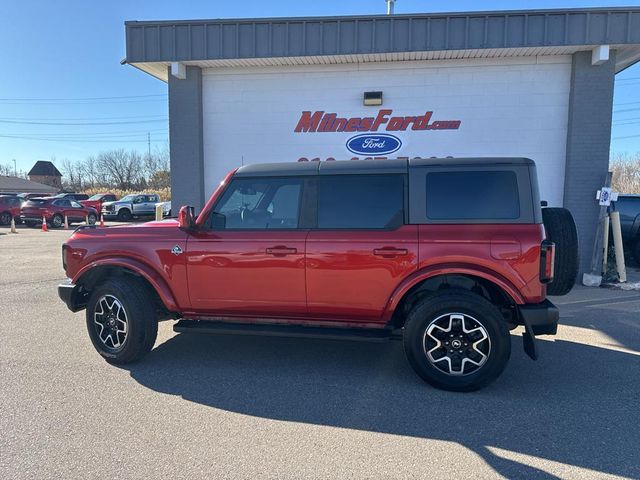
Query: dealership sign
point(320, 121)
point(371, 144)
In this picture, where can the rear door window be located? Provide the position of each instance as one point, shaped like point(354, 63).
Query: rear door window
point(360, 202)
point(472, 195)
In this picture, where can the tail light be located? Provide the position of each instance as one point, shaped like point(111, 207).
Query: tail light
point(547, 256)
point(64, 257)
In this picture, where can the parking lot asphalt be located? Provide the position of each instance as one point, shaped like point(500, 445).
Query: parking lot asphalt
point(252, 407)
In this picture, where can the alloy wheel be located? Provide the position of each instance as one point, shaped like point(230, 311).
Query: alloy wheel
point(457, 344)
point(111, 323)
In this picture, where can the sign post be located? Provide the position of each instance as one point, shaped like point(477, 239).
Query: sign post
point(594, 277)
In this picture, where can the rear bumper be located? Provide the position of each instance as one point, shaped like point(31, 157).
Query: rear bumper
point(70, 295)
point(541, 317)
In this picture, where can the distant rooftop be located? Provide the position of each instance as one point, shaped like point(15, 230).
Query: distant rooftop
point(10, 184)
point(45, 168)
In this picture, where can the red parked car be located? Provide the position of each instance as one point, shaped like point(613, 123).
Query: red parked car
point(98, 199)
point(54, 210)
point(9, 208)
point(448, 254)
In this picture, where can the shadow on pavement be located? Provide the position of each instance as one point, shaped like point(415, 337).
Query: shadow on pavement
point(577, 405)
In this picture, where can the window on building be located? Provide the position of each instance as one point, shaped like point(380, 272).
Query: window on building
point(472, 195)
point(361, 201)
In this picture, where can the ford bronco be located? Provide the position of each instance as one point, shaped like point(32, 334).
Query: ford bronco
point(448, 255)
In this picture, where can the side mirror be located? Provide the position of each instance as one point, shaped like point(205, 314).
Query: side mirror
point(186, 218)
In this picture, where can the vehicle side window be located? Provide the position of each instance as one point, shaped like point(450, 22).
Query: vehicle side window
point(75, 204)
point(139, 199)
point(63, 202)
point(109, 198)
point(361, 201)
point(153, 198)
point(473, 195)
point(261, 204)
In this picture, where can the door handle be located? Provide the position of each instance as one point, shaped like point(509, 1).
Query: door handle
point(390, 252)
point(281, 251)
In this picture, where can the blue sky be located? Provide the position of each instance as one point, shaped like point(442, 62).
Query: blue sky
point(70, 51)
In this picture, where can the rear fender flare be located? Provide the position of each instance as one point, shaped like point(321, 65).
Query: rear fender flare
point(145, 271)
point(471, 270)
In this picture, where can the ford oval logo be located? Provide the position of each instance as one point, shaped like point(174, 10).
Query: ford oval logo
point(371, 144)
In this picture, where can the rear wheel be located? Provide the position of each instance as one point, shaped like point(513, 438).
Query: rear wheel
point(121, 320)
point(91, 218)
point(561, 230)
point(456, 340)
point(124, 215)
point(5, 218)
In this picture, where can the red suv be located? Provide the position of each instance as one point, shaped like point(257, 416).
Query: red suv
point(54, 210)
point(449, 254)
point(98, 199)
point(9, 208)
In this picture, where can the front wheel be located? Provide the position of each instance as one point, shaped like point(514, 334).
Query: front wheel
point(91, 218)
point(57, 221)
point(124, 215)
point(456, 340)
point(121, 320)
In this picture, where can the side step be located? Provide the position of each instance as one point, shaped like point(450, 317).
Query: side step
point(271, 330)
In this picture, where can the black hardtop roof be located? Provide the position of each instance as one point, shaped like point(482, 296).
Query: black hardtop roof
point(368, 166)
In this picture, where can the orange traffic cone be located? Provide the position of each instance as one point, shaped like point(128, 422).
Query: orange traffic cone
point(66, 223)
point(44, 224)
point(101, 221)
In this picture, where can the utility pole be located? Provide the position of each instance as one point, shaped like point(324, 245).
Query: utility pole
point(15, 168)
point(149, 144)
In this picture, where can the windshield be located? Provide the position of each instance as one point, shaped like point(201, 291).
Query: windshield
point(97, 196)
point(128, 198)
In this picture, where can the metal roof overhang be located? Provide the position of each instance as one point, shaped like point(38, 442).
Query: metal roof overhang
point(152, 46)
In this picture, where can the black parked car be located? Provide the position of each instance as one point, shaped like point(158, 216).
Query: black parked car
point(73, 196)
point(629, 207)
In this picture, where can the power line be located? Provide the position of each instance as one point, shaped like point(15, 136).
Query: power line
point(80, 98)
point(628, 136)
point(121, 133)
point(129, 122)
point(88, 118)
point(66, 140)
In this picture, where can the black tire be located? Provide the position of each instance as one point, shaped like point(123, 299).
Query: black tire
point(124, 215)
point(635, 250)
point(92, 219)
point(561, 230)
point(5, 218)
point(427, 358)
point(57, 221)
point(139, 315)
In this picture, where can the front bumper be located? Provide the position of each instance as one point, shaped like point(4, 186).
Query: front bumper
point(71, 295)
point(542, 318)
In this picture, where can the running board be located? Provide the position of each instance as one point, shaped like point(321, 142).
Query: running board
point(272, 330)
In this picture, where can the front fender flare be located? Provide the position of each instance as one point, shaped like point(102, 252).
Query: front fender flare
point(471, 270)
point(145, 271)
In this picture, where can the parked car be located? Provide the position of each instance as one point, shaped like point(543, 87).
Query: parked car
point(9, 208)
point(72, 196)
point(134, 205)
point(96, 201)
point(449, 254)
point(166, 208)
point(629, 208)
point(54, 209)
point(28, 195)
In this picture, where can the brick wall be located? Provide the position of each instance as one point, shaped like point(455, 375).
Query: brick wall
point(588, 143)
